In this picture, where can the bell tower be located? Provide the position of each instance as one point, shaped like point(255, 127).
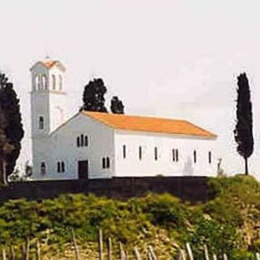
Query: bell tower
point(47, 97)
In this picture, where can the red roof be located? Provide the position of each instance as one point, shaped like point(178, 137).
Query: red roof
point(150, 124)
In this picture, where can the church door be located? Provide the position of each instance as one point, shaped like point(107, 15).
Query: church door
point(83, 170)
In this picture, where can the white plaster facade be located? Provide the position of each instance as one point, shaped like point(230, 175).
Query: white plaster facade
point(128, 152)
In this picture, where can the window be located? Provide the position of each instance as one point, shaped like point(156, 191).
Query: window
point(78, 141)
point(155, 153)
point(82, 140)
point(44, 82)
point(37, 83)
point(105, 163)
point(60, 82)
point(210, 157)
point(195, 156)
point(86, 140)
point(140, 152)
point(41, 122)
point(124, 151)
point(53, 82)
point(61, 166)
point(43, 168)
point(175, 155)
point(108, 162)
point(58, 167)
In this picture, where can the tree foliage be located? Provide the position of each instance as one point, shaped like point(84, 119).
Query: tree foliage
point(116, 106)
point(93, 96)
point(244, 123)
point(11, 126)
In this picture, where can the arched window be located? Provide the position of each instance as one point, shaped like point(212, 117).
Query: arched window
point(60, 82)
point(62, 167)
point(44, 82)
point(104, 163)
point(53, 82)
point(81, 140)
point(41, 122)
point(78, 141)
point(58, 167)
point(43, 168)
point(108, 162)
point(86, 140)
point(37, 83)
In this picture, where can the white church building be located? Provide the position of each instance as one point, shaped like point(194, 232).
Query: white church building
point(93, 145)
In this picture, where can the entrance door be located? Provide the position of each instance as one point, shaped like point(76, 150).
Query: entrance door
point(83, 170)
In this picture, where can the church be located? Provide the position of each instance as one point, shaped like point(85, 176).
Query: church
point(94, 145)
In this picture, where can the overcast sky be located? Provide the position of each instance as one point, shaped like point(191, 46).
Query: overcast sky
point(174, 58)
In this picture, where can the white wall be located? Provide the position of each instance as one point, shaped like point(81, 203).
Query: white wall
point(62, 146)
point(132, 166)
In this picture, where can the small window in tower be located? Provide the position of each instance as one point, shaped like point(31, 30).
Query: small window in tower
point(37, 83)
point(44, 82)
point(60, 82)
point(41, 122)
point(43, 168)
point(53, 82)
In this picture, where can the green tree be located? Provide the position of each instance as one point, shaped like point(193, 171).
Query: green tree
point(93, 96)
point(116, 106)
point(13, 129)
point(244, 122)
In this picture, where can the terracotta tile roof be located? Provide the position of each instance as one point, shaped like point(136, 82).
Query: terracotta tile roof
point(150, 124)
point(50, 63)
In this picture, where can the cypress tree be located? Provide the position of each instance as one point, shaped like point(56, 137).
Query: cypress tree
point(93, 96)
point(116, 106)
point(13, 129)
point(244, 120)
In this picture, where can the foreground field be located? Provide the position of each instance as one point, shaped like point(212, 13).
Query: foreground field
point(229, 223)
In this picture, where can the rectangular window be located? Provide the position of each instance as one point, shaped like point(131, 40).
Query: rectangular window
point(195, 156)
point(140, 152)
point(173, 155)
point(124, 151)
point(155, 153)
point(210, 157)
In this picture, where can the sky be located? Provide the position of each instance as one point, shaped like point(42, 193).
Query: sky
point(169, 58)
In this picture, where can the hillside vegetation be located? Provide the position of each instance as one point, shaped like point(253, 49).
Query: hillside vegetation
point(228, 223)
